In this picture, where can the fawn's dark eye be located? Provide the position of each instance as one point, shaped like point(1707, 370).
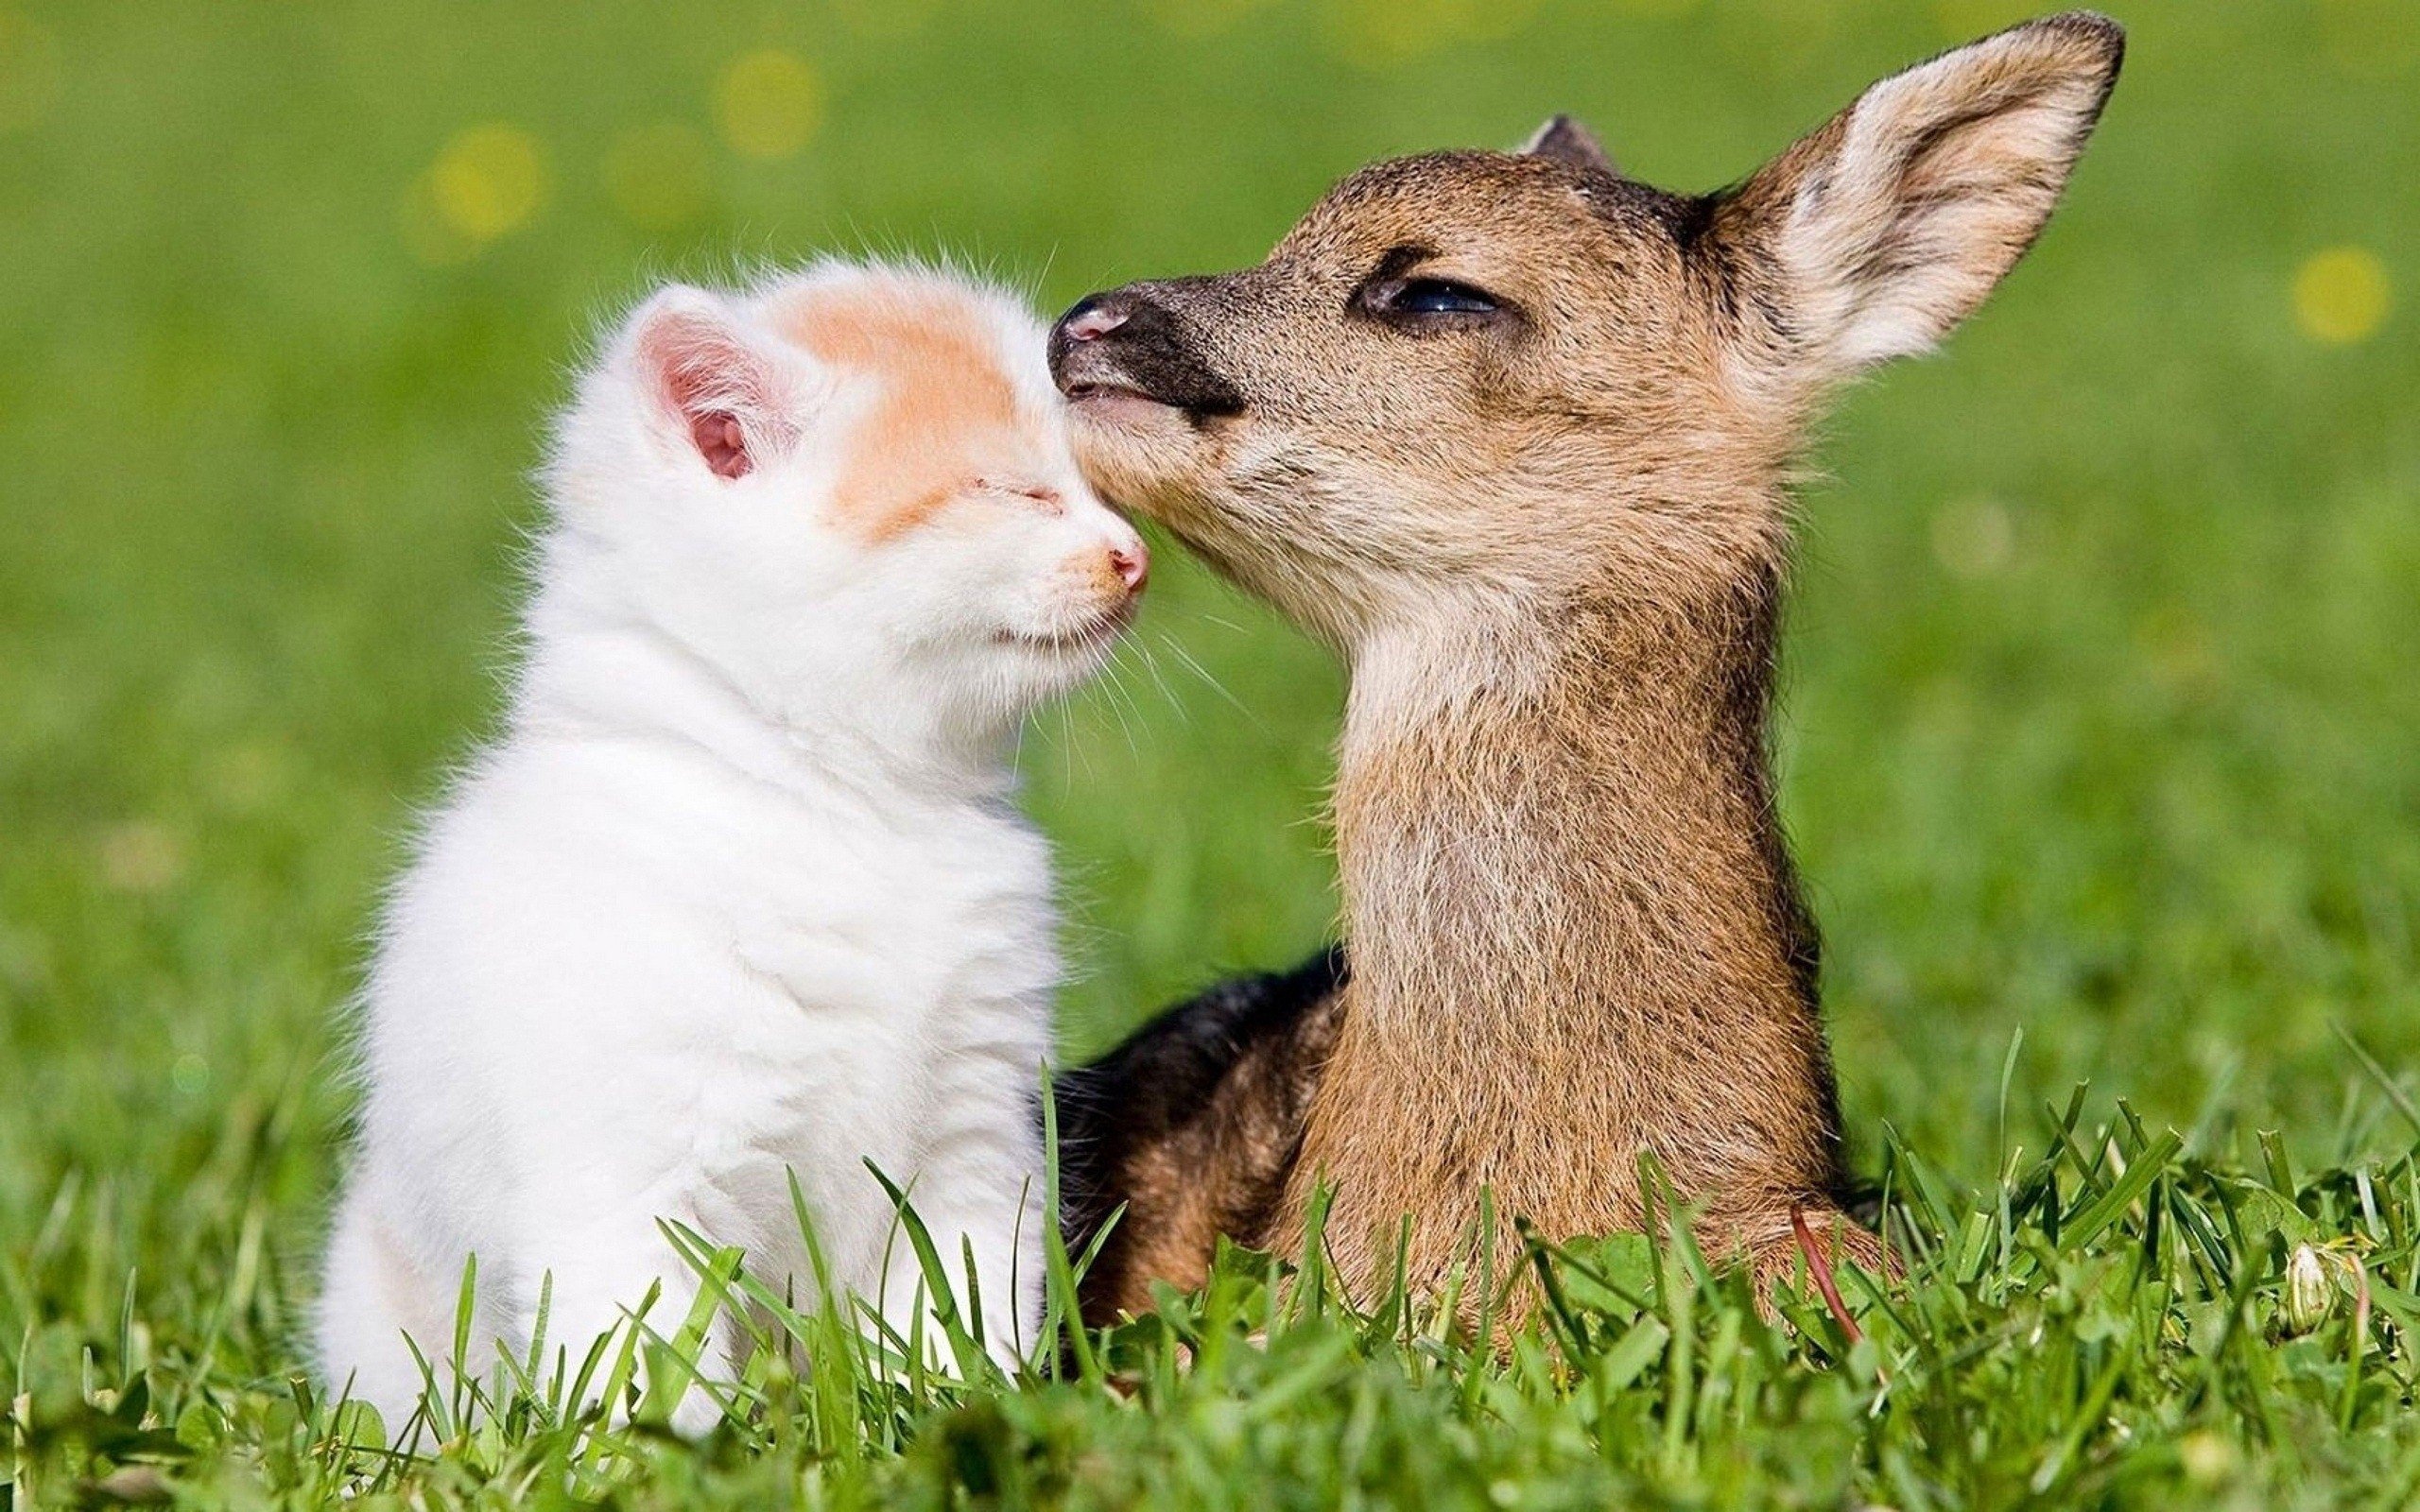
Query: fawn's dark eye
point(1434, 295)
point(1427, 303)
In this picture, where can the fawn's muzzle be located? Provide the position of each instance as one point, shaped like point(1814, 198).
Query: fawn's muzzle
point(1124, 343)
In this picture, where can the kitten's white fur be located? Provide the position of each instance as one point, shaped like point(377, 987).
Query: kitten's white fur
point(741, 892)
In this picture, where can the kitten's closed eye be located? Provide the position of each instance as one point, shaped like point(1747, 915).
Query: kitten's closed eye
point(1048, 500)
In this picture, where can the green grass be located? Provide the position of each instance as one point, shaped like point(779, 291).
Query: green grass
point(2100, 727)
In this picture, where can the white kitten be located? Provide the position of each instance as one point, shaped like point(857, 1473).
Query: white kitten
point(742, 893)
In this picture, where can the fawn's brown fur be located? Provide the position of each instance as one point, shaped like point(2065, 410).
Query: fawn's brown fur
point(1513, 434)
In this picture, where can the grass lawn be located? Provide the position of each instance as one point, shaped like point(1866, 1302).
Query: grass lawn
point(2102, 747)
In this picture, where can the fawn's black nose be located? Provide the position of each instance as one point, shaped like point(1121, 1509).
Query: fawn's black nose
point(1095, 317)
point(1127, 342)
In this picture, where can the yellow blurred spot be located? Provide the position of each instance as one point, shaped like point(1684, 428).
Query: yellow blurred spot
point(140, 856)
point(768, 105)
point(489, 180)
point(2207, 1458)
point(2342, 295)
point(1974, 537)
point(28, 71)
point(660, 176)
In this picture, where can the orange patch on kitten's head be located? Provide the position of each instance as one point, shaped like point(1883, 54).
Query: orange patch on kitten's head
point(947, 412)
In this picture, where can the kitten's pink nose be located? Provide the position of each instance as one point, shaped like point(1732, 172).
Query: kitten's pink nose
point(1131, 561)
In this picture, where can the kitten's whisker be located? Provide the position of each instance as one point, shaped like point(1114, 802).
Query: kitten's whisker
point(1071, 751)
point(1187, 656)
point(1152, 665)
point(1115, 691)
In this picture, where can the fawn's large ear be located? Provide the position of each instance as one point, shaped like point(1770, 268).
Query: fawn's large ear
point(1571, 143)
point(1878, 235)
point(714, 384)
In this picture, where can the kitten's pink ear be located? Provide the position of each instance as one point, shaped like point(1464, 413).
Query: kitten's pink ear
point(713, 382)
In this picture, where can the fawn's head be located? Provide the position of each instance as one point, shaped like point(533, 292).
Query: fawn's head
point(1483, 377)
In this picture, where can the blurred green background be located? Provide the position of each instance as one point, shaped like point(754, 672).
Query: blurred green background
point(2101, 692)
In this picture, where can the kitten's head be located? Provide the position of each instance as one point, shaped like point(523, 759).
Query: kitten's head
point(852, 481)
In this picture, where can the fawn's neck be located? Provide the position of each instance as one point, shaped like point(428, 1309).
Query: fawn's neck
point(1574, 926)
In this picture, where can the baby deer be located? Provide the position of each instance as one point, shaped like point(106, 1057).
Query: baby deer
point(1513, 432)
